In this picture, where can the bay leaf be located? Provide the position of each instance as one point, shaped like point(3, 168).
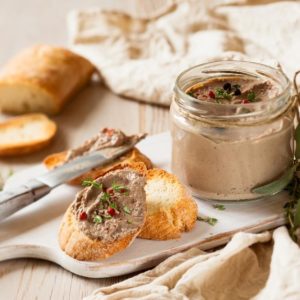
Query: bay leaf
point(297, 214)
point(278, 185)
point(297, 139)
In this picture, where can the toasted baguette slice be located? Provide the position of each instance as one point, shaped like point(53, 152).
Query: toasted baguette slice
point(113, 234)
point(79, 246)
point(25, 134)
point(170, 209)
point(133, 156)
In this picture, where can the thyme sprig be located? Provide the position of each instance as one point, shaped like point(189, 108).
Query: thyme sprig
point(290, 180)
point(91, 182)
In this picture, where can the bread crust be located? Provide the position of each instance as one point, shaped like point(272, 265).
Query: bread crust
point(56, 72)
point(21, 148)
point(166, 222)
point(128, 160)
point(79, 246)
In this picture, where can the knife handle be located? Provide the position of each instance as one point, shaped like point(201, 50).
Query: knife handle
point(13, 200)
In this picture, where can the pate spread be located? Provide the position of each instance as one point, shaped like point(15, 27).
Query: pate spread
point(112, 206)
point(233, 90)
point(106, 138)
point(225, 163)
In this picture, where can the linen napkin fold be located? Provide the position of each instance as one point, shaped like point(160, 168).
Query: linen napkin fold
point(139, 55)
point(250, 266)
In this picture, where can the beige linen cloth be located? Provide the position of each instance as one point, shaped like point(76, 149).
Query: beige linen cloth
point(140, 53)
point(250, 266)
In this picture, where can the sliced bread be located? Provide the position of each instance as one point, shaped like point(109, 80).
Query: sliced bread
point(25, 134)
point(170, 208)
point(132, 157)
point(105, 217)
point(42, 79)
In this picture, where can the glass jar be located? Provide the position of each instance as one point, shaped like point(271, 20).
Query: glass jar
point(221, 151)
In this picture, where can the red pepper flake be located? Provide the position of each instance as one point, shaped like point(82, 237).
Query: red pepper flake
point(111, 211)
point(211, 94)
point(123, 190)
point(83, 216)
point(245, 101)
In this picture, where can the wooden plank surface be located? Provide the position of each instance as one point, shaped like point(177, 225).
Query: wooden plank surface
point(23, 23)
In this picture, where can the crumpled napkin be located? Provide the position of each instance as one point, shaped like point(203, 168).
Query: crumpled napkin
point(250, 266)
point(140, 55)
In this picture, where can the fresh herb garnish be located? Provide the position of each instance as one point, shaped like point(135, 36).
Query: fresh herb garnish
point(119, 188)
point(126, 209)
point(219, 206)
point(289, 181)
point(91, 182)
point(98, 219)
point(105, 197)
point(107, 216)
point(209, 220)
point(113, 205)
point(251, 96)
point(222, 94)
point(277, 185)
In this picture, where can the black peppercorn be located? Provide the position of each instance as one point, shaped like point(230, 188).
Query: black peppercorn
point(227, 86)
point(237, 92)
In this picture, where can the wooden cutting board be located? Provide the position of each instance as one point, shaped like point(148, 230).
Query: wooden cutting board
point(32, 232)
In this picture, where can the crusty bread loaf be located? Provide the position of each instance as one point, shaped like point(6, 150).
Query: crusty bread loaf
point(76, 244)
point(170, 208)
point(126, 160)
point(25, 134)
point(42, 79)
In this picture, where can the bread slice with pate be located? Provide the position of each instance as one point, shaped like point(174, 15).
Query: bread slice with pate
point(170, 208)
point(106, 137)
point(25, 134)
point(105, 217)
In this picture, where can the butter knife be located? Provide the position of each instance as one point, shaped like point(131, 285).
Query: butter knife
point(12, 200)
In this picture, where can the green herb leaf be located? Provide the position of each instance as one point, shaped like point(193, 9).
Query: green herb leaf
point(209, 220)
point(91, 182)
point(113, 205)
point(297, 214)
point(251, 96)
point(219, 206)
point(277, 185)
point(297, 139)
point(107, 217)
point(105, 197)
point(236, 86)
point(119, 187)
point(222, 94)
point(126, 209)
point(98, 219)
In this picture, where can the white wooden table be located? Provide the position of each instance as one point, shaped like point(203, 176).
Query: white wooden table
point(23, 23)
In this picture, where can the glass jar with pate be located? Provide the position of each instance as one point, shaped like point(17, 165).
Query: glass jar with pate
point(232, 128)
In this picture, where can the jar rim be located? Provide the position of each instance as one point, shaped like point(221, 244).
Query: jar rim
point(240, 67)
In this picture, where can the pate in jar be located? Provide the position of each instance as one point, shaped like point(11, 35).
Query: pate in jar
point(232, 128)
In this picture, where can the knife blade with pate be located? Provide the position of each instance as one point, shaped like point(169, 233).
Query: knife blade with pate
point(12, 200)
